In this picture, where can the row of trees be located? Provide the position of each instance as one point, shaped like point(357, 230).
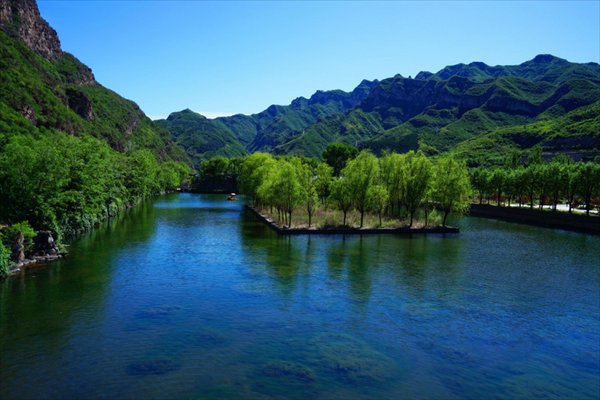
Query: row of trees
point(364, 183)
point(544, 182)
point(66, 184)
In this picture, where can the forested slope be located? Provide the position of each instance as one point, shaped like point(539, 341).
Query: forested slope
point(72, 152)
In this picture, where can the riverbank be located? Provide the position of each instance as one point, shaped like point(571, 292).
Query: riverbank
point(282, 230)
point(546, 218)
point(45, 250)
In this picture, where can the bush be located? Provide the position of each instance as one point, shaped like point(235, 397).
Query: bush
point(15, 229)
point(4, 255)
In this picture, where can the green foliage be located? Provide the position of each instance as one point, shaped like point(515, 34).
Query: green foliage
point(200, 137)
point(15, 231)
point(417, 175)
point(450, 187)
point(67, 184)
point(361, 173)
point(4, 258)
point(336, 155)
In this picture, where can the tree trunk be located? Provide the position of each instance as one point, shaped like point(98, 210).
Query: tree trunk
point(411, 220)
point(380, 219)
point(344, 218)
point(445, 215)
point(361, 218)
point(309, 217)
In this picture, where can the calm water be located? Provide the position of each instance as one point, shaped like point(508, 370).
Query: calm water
point(189, 296)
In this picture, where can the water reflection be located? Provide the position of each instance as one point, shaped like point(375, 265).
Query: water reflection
point(190, 296)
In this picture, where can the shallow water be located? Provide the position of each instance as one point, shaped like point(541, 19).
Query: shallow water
point(189, 296)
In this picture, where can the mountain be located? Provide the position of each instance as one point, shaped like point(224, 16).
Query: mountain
point(433, 112)
point(264, 131)
point(578, 129)
point(200, 137)
point(403, 114)
point(45, 89)
point(543, 68)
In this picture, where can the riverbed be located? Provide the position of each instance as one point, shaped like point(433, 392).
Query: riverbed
point(191, 296)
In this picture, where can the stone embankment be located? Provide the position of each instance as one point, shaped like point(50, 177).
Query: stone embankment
point(283, 230)
point(44, 249)
point(545, 218)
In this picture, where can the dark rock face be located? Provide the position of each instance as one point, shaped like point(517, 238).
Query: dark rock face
point(44, 244)
point(29, 113)
point(80, 103)
point(22, 19)
point(17, 249)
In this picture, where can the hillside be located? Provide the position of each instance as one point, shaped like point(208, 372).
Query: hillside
point(577, 130)
point(72, 152)
point(403, 114)
point(264, 131)
point(433, 113)
point(45, 89)
point(200, 137)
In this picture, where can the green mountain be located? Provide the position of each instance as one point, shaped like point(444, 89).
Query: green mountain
point(200, 137)
point(578, 129)
point(543, 68)
point(203, 138)
point(72, 152)
point(403, 114)
point(434, 112)
point(45, 89)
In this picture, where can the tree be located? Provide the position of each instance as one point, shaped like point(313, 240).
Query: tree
point(337, 155)
point(588, 179)
point(309, 182)
point(252, 173)
point(361, 173)
point(479, 181)
point(323, 173)
point(288, 187)
point(450, 186)
point(417, 179)
point(215, 168)
point(378, 198)
point(497, 181)
point(341, 195)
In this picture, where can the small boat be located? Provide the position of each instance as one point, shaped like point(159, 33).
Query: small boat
point(231, 197)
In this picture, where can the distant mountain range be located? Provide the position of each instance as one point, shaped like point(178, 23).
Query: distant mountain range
point(461, 106)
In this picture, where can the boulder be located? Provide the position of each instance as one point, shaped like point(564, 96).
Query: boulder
point(17, 249)
point(43, 244)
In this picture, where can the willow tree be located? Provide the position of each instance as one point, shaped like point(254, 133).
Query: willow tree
point(324, 174)
point(252, 173)
point(309, 182)
point(417, 178)
point(392, 176)
point(378, 198)
point(450, 187)
point(361, 173)
point(288, 186)
point(588, 182)
point(341, 195)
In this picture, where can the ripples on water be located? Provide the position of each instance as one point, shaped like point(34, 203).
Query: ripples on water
point(189, 296)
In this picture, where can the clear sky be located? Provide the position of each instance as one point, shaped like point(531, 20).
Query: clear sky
point(227, 57)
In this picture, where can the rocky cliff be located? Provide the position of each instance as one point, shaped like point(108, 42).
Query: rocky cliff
point(21, 19)
point(46, 88)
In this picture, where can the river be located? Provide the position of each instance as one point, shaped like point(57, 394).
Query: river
point(190, 296)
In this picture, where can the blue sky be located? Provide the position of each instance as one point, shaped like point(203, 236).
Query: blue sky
point(240, 57)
